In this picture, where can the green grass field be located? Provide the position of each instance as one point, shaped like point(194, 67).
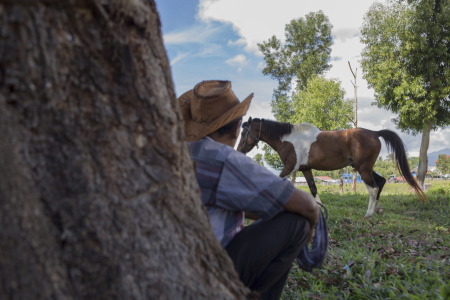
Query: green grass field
point(402, 254)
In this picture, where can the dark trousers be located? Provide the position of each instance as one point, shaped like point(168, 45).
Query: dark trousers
point(263, 253)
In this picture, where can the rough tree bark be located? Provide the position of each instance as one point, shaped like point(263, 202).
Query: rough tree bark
point(98, 196)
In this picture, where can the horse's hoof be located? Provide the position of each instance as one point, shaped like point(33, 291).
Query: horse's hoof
point(367, 216)
point(380, 211)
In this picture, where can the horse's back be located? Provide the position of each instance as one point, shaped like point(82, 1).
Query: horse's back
point(338, 148)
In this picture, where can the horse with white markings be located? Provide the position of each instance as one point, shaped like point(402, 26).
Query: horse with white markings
point(303, 147)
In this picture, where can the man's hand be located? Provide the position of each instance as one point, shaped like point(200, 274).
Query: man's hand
point(304, 204)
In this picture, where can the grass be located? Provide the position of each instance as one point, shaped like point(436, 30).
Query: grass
point(402, 254)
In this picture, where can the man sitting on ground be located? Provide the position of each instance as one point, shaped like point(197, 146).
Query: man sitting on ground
point(233, 184)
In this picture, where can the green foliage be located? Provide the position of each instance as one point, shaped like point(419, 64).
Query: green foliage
point(407, 61)
point(402, 254)
point(272, 158)
point(258, 158)
point(322, 104)
point(305, 53)
point(333, 174)
point(443, 164)
point(386, 167)
point(413, 162)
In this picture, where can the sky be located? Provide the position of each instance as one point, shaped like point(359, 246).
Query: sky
point(217, 39)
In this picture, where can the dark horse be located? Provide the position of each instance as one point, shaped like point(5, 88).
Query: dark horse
point(304, 147)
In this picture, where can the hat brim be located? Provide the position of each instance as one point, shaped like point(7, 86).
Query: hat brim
point(198, 130)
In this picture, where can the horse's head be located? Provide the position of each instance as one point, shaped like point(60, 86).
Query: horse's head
point(250, 136)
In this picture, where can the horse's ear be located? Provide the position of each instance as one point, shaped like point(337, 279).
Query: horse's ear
point(249, 120)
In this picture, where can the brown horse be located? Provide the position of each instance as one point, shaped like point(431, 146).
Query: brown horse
point(303, 147)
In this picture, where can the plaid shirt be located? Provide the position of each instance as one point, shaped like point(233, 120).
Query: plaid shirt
point(232, 183)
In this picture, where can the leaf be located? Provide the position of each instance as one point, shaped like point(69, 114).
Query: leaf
point(377, 284)
point(303, 284)
point(369, 246)
point(316, 297)
point(367, 275)
point(429, 257)
point(330, 280)
point(391, 271)
point(413, 252)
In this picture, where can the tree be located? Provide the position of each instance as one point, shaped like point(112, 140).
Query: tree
point(386, 167)
point(272, 158)
point(413, 162)
point(305, 53)
point(443, 163)
point(407, 62)
point(322, 104)
point(98, 197)
point(259, 159)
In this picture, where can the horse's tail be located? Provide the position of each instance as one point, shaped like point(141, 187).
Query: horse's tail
point(395, 144)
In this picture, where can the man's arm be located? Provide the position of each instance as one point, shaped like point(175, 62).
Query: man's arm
point(303, 204)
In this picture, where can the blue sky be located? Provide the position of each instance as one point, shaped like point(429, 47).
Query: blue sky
point(217, 39)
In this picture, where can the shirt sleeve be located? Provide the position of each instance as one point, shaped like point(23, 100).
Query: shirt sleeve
point(246, 186)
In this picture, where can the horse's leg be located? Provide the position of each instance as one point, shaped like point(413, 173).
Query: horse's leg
point(380, 181)
point(287, 170)
point(312, 185)
point(373, 189)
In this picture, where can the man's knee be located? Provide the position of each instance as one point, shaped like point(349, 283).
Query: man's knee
point(299, 227)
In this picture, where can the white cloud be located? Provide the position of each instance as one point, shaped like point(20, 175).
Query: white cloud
point(238, 42)
point(261, 65)
point(199, 33)
point(257, 20)
point(178, 58)
point(239, 60)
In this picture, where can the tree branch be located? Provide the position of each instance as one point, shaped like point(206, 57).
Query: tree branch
point(351, 69)
point(350, 119)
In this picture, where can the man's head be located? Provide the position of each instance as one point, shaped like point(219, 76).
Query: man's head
point(212, 109)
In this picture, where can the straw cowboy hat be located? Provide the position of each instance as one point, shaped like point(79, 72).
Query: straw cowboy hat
point(209, 106)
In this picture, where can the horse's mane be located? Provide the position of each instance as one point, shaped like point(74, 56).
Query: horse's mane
point(273, 129)
point(302, 127)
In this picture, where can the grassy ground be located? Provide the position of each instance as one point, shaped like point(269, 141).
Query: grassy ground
point(402, 254)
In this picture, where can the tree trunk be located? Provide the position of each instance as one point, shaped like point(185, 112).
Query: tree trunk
point(354, 180)
point(294, 175)
point(423, 158)
point(98, 196)
point(341, 183)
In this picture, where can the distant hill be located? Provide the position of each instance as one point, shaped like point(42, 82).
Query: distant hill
point(433, 156)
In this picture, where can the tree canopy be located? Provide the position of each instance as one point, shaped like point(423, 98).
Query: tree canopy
point(322, 104)
point(305, 53)
point(443, 164)
point(258, 158)
point(407, 62)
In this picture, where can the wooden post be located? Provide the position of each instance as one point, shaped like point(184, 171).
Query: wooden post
point(355, 120)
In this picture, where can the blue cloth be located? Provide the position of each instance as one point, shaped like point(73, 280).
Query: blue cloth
point(313, 258)
point(232, 183)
